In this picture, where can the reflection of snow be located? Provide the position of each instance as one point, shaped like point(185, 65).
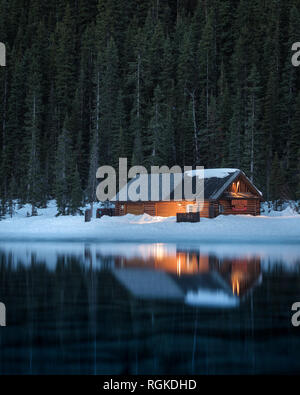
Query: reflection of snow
point(269, 254)
point(211, 299)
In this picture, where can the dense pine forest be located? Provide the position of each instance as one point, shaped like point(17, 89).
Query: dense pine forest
point(161, 82)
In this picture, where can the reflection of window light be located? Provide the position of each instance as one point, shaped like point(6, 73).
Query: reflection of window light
point(236, 279)
point(236, 287)
point(179, 266)
point(160, 251)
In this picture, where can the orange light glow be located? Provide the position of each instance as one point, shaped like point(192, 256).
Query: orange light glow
point(237, 278)
point(160, 252)
point(178, 266)
point(236, 287)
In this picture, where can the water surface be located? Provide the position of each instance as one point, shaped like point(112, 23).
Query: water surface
point(149, 308)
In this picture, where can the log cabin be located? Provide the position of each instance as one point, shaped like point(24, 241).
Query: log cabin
point(226, 191)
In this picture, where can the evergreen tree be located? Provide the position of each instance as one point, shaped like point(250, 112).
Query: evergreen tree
point(65, 64)
point(76, 193)
point(136, 121)
point(156, 129)
point(224, 116)
point(109, 92)
point(271, 124)
point(119, 139)
point(64, 169)
point(33, 115)
point(94, 161)
point(236, 125)
point(277, 181)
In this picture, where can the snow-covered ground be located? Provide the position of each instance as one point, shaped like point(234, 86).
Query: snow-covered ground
point(273, 227)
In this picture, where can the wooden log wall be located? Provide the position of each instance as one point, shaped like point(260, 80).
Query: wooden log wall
point(253, 207)
point(161, 209)
point(170, 209)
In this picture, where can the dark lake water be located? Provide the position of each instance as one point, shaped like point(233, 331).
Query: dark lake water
point(76, 308)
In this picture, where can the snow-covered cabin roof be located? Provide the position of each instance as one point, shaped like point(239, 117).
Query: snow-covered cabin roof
point(216, 181)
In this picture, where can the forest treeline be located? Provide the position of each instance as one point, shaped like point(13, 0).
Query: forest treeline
point(161, 82)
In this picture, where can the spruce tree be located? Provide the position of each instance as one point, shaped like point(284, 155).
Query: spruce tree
point(109, 92)
point(76, 193)
point(236, 131)
point(65, 64)
point(34, 110)
point(64, 169)
point(156, 130)
point(277, 181)
point(136, 80)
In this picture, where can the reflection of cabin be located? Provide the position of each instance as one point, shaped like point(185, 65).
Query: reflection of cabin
point(160, 275)
point(150, 284)
point(226, 191)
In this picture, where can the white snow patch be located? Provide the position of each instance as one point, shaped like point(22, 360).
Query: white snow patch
point(211, 173)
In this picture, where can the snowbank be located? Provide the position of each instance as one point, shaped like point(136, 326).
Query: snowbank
point(227, 229)
point(287, 209)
